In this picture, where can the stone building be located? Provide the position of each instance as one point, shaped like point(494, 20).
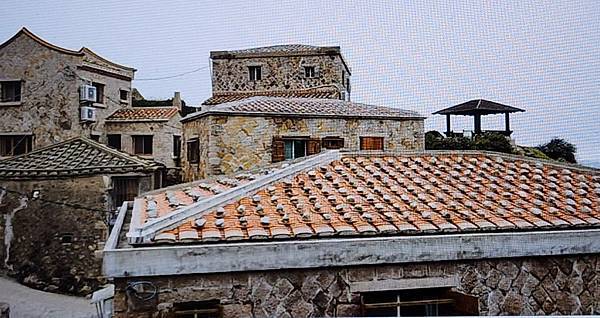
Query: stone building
point(280, 71)
point(152, 132)
point(56, 203)
point(365, 234)
point(41, 88)
point(253, 132)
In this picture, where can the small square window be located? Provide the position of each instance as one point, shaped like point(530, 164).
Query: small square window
point(10, 91)
point(95, 137)
point(114, 141)
point(99, 92)
point(333, 142)
point(12, 145)
point(255, 73)
point(66, 238)
point(142, 145)
point(310, 72)
point(124, 96)
point(371, 143)
point(193, 150)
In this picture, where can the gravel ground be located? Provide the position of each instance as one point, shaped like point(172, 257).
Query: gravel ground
point(26, 302)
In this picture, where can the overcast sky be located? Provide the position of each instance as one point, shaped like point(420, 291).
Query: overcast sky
point(420, 55)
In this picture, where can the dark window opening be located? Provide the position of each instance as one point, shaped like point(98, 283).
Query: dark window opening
point(371, 143)
point(176, 146)
point(193, 150)
point(255, 73)
point(418, 303)
point(95, 137)
point(142, 145)
point(124, 189)
point(332, 143)
point(198, 309)
point(310, 72)
point(295, 149)
point(114, 141)
point(124, 95)
point(99, 92)
point(10, 91)
point(12, 145)
point(66, 238)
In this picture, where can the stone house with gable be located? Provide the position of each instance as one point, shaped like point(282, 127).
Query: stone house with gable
point(283, 102)
point(152, 132)
point(365, 234)
point(57, 204)
point(293, 70)
point(40, 87)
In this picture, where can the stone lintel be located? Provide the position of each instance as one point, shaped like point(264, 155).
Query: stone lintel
point(319, 253)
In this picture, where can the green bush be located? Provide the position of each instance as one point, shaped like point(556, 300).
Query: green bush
point(433, 140)
point(559, 149)
point(493, 142)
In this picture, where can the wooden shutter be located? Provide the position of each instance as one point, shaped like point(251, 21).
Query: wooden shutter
point(277, 149)
point(371, 143)
point(464, 304)
point(313, 146)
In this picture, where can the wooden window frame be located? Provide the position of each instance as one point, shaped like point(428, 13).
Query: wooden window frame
point(16, 88)
point(15, 142)
point(193, 150)
point(100, 87)
point(365, 145)
point(254, 73)
point(144, 138)
point(332, 142)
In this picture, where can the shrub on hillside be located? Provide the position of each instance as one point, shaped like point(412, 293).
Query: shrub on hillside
point(559, 149)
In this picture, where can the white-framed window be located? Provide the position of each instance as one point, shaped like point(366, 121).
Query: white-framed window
point(255, 73)
point(124, 96)
point(310, 71)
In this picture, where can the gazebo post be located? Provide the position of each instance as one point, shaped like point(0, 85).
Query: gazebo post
point(448, 131)
point(477, 123)
point(507, 123)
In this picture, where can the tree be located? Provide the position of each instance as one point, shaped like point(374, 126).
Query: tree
point(559, 149)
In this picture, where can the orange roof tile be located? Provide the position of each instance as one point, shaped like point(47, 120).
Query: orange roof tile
point(143, 114)
point(398, 195)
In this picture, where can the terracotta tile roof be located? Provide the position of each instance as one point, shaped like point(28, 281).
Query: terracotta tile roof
point(310, 107)
point(395, 195)
point(78, 156)
point(220, 98)
point(143, 114)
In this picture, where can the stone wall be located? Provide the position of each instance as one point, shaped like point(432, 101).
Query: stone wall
point(235, 143)
point(49, 107)
point(525, 286)
point(278, 73)
point(54, 246)
point(162, 141)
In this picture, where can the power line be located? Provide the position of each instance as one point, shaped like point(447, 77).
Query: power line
point(172, 76)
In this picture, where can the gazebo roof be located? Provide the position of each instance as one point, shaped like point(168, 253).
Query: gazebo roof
point(478, 106)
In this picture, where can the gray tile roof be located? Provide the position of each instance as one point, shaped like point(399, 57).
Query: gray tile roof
point(77, 156)
point(284, 48)
point(305, 107)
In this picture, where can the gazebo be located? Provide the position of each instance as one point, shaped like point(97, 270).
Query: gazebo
point(478, 108)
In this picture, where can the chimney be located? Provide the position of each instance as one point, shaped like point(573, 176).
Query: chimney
point(177, 100)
